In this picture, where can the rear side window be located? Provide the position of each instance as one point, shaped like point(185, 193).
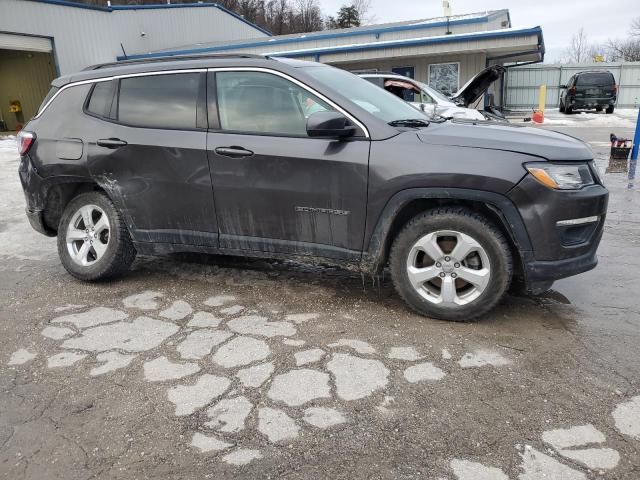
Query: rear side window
point(595, 79)
point(101, 98)
point(160, 101)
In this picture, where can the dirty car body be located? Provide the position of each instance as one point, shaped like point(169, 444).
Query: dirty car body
point(278, 158)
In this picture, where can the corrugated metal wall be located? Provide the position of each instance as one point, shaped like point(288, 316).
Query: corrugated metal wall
point(83, 36)
point(469, 65)
point(522, 83)
point(25, 77)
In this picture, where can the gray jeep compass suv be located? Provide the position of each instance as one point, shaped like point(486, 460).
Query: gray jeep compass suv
point(255, 156)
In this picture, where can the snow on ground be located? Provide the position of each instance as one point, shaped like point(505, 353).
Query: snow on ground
point(621, 118)
point(17, 238)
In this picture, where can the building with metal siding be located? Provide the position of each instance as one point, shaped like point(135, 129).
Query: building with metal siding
point(73, 36)
point(461, 45)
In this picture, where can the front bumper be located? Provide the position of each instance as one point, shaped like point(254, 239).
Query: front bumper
point(559, 251)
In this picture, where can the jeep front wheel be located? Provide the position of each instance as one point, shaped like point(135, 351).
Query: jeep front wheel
point(93, 241)
point(451, 264)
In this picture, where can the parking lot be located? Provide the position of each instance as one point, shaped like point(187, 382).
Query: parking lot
point(216, 367)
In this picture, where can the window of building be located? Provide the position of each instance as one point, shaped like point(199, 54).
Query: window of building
point(445, 77)
point(160, 101)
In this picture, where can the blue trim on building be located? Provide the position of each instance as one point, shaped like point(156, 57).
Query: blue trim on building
point(413, 43)
point(67, 3)
point(309, 38)
point(349, 48)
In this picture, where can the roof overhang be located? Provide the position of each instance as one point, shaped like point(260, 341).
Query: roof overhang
point(525, 44)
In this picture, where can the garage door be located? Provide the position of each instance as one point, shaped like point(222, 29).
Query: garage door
point(10, 41)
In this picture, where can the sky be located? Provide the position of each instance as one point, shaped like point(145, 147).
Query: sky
point(559, 19)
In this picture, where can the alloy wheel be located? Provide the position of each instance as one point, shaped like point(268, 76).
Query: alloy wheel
point(87, 235)
point(448, 268)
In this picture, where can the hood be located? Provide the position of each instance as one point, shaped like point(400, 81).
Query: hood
point(475, 88)
point(507, 137)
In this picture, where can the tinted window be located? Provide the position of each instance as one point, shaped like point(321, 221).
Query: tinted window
point(595, 79)
point(49, 96)
point(159, 101)
point(264, 103)
point(101, 98)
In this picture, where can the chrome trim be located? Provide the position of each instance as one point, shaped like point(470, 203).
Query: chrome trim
point(114, 77)
point(300, 84)
point(578, 221)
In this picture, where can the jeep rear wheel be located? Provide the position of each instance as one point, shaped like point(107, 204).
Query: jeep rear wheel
point(451, 264)
point(93, 241)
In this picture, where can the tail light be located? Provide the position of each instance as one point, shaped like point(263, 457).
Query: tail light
point(25, 141)
point(572, 90)
point(615, 88)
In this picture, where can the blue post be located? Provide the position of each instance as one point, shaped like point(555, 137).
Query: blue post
point(636, 139)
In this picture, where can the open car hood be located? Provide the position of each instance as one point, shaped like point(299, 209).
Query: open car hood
point(475, 88)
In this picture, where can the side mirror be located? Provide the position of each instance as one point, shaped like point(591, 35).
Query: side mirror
point(329, 124)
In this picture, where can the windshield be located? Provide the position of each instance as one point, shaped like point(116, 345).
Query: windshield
point(366, 95)
point(442, 98)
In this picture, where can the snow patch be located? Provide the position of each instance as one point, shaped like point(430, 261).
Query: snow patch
point(161, 369)
point(20, 357)
point(91, 318)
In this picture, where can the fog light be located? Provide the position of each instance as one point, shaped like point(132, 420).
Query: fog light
point(577, 221)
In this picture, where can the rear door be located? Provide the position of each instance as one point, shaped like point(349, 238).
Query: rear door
point(276, 189)
point(150, 154)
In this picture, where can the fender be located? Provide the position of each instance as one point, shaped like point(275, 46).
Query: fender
point(373, 255)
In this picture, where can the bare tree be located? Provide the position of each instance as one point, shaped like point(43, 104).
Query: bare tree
point(626, 50)
point(308, 17)
point(363, 7)
point(635, 27)
point(578, 50)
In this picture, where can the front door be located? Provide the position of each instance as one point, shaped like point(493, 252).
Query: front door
point(276, 189)
point(149, 152)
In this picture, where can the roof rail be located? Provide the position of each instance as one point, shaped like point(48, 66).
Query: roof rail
point(174, 58)
point(373, 71)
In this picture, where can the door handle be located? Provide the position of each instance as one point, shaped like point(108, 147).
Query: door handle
point(111, 142)
point(233, 152)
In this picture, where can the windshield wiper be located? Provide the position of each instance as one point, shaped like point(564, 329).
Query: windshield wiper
point(409, 122)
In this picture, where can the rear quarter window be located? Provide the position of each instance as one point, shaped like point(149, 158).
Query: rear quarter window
point(46, 100)
point(101, 99)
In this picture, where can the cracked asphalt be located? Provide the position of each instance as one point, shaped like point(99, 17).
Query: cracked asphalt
point(213, 367)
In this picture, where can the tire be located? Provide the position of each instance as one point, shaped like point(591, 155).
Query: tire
point(408, 252)
point(561, 108)
point(609, 109)
point(78, 246)
point(568, 110)
point(598, 108)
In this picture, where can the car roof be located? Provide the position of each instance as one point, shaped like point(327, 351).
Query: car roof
point(187, 62)
point(594, 71)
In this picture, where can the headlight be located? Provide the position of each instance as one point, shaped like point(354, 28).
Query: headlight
point(561, 177)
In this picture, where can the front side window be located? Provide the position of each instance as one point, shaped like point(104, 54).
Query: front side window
point(256, 102)
point(159, 101)
point(366, 95)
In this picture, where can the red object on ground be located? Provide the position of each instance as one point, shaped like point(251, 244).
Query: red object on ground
point(538, 116)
